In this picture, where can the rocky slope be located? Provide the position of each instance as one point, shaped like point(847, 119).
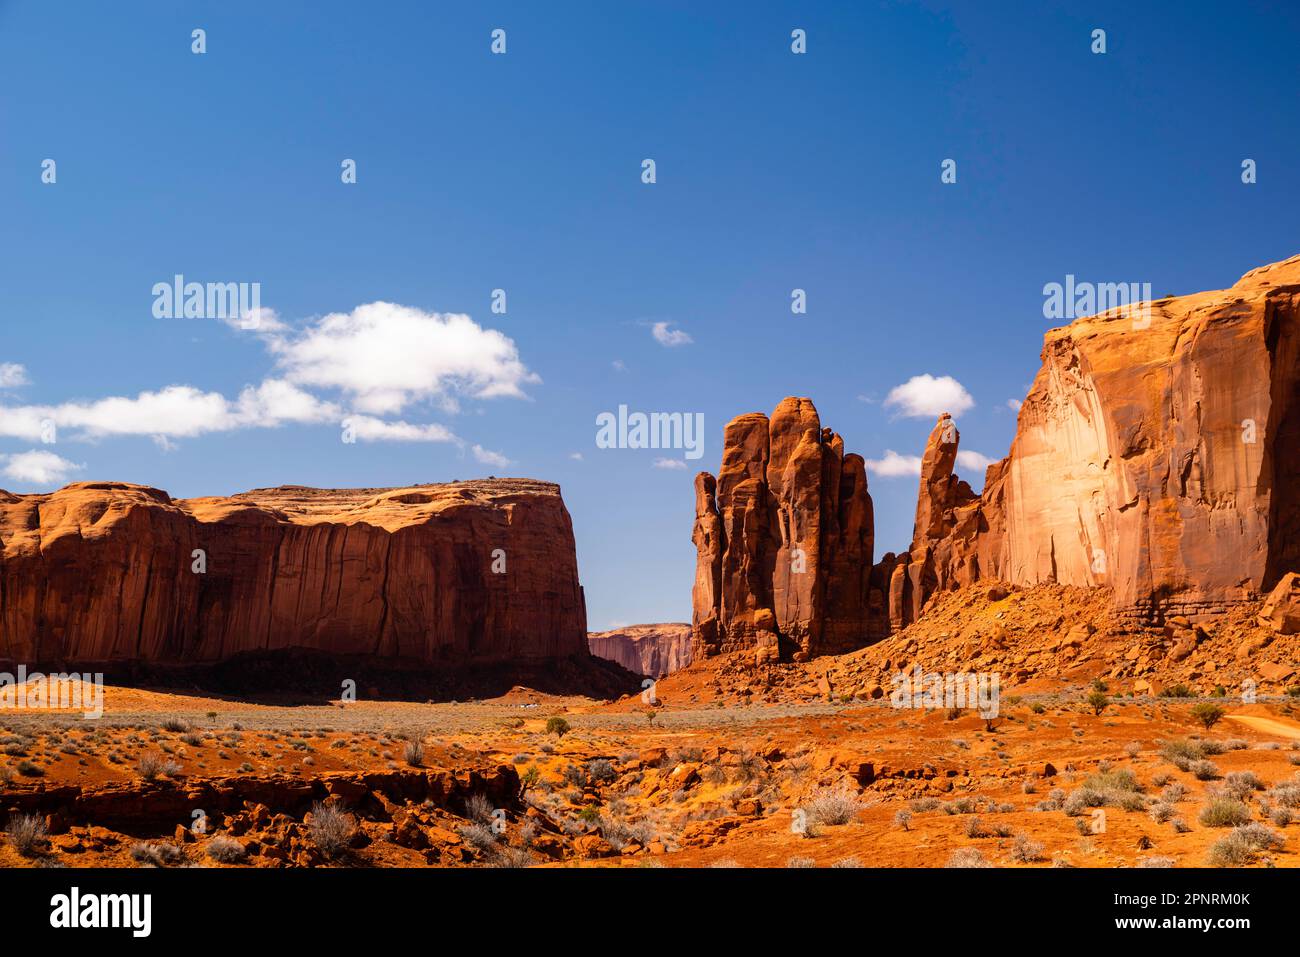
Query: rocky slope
point(784, 539)
point(474, 573)
point(654, 650)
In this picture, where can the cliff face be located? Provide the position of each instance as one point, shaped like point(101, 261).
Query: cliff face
point(1159, 455)
point(654, 650)
point(107, 571)
point(784, 539)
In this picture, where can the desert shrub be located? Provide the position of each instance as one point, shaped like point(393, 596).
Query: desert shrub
point(1176, 691)
point(1098, 702)
point(1104, 781)
point(903, 819)
point(1286, 795)
point(1182, 753)
point(967, 857)
point(1240, 784)
point(621, 833)
point(225, 850)
point(478, 836)
point(801, 862)
point(152, 764)
point(479, 808)
point(508, 856)
point(1081, 800)
point(30, 769)
point(848, 862)
point(557, 726)
point(1204, 770)
point(975, 828)
point(1025, 850)
point(961, 805)
point(1133, 749)
point(331, 829)
point(1230, 851)
point(601, 770)
point(1224, 812)
point(1162, 813)
point(27, 833)
point(1155, 862)
point(1281, 816)
point(1174, 792)
point(1260, 837)
point(921, 805)
point(414, 753)
point(176, 725)
point(838, 805)
point(157, 855)
point(1207, 714)
point(193, 740)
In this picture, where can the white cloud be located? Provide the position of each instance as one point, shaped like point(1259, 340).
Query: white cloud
point(894, 465)
point(927, 395)
point(1014, 404)
point(260, 320)
point(177, 411)
point(488, 457)
point(379, 358)
point(369, 429)
point(974, 460)
point(619, 365)
point(666, 336)
point(669, 464)
point(12, 375)
point(38, 468)
point(576, 456)
point(384, 356)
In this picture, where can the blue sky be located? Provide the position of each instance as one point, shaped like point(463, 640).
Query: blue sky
point(522, 171)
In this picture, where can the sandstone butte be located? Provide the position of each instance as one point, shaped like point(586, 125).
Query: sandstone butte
point(1157, 453)
point(654, 650)
point(101, 571)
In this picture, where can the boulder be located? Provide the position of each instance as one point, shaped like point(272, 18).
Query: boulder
point(1281, 611)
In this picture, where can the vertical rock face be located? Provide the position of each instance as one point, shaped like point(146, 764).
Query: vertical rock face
point(654, 650)
point(1157, 452)
point(784, 540)
point(469, 573)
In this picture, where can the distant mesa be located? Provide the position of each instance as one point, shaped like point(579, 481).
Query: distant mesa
point(651, 650)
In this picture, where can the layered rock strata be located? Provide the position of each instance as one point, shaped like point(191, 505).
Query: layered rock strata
point(479, 572)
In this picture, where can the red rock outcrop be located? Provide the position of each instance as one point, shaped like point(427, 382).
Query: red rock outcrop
point(479, 572)
point(784, 540)
point(654, 650)
point(1158, 453)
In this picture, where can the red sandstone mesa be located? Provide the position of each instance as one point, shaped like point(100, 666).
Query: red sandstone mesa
point(104, 571)
point(1158, 452)
point(654, 650)
point(1159, 455)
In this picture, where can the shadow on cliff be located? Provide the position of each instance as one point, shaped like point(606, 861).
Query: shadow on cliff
point(307, 677)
